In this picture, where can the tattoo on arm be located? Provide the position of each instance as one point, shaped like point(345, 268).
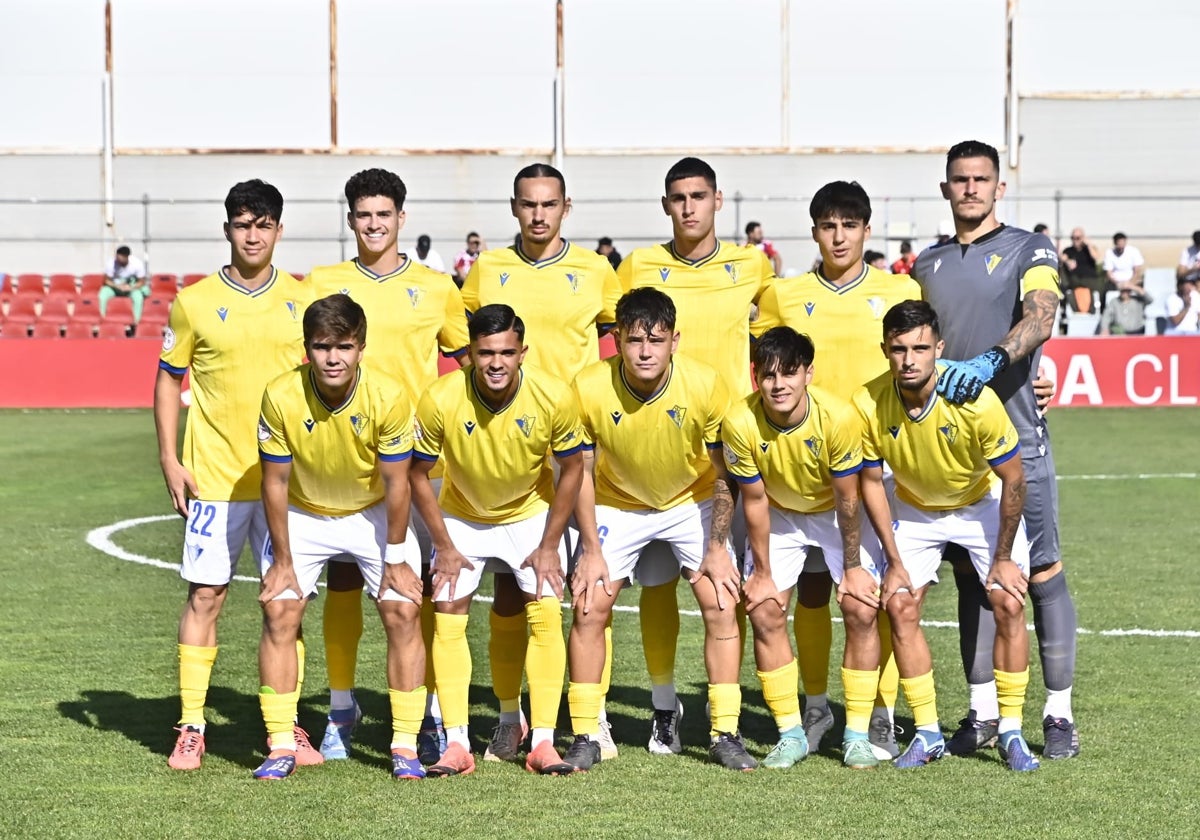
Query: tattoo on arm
point(848, 522)
point(1034, 328)
point(1012, 504)
point(722, 512)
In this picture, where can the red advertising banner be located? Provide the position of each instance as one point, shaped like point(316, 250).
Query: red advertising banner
point(119, 373)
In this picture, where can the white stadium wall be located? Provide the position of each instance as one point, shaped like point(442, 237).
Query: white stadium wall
point(780, 95)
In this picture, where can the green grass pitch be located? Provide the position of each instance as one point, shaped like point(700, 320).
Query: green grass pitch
point(88, 682)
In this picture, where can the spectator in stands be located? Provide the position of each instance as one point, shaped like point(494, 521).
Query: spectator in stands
point(754, 237)
point(1189, 260)
point(1127, 314)
point(1123, 264)
point(875, 259)
point(1183, 309)
point(606, 249)
point(1079, 270)
point(466, 258)
point(428, 257)
point(125, 276)
point(907, 258)
point(1042, 228)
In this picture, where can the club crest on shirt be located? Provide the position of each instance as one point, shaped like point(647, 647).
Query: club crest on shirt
point(732, 271)
point(677, 413)
point(814, 446)
point(503, 277)
point(222, 312)
point(616, 417)
point(291, 305)
point(809, 306)
point(664, 273)
point(894, 431)
point(469, 426)
point(358, 422)
point(168, 339)
point(309, 423)
point(525, 424)
point(950, 430)
point(574, 280)
point(414, 296)
point(877, 305)
point(993, 260)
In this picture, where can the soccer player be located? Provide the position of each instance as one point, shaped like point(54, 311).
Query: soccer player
point(943, 457)
point(236, 330)
point(413, 311)
point(492, 425)
point(655, 419)
point(840, 306)
point(566, 296)
point(713, 285)
point(996, 290)
point(336, 438)
point(796, 455)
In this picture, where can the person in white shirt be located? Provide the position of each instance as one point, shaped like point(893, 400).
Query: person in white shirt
point(1189, 260)
point(124, 276)
point(1123, 264)
point(1183, 309)
point(426, 256)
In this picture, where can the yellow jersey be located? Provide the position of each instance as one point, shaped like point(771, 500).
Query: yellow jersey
point(565, 300)
point(235, 341)
point(411, 313)
point(334, 452)
point(496, 465)
point(942, 458)
point(653, 453)
point(712, 297)
point(797, 465)
point(845, 322)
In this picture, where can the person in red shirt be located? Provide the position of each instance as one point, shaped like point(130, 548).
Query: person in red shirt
point(907, 258)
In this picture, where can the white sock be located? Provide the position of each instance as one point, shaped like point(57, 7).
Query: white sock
point(541, 733)
point(1009, 724)
point(663, 696)
point(603, 714)
point(983, 700)
point(341, 699)
point(458, 735)
point(1058, 704)
point(433, 709)
point(816, 701)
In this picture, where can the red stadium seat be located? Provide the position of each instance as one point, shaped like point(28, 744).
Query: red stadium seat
point(86, 311)
point(189, 279)
point(62, 284)
point(119, 311)
point(31, 284)
point(47, 329)
point(80, 329)
point(112, 329)
point(22, 310)
point(11, 330)
point(149, 329)
point(56, 309)
point(6, 289)
point(156, 309)
point(89, 284)
point(164, 286)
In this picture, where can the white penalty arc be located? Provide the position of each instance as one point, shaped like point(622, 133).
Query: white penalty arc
point(101, 540)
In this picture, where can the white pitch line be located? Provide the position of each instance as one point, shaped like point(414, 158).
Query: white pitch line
point(101, 540)
point(1126, 477)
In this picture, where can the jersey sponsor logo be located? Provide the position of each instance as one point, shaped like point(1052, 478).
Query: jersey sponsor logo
point(993, 260)
point(574, 280)
point(469, 426)
point(814, 446)
point(664, 273)
point(616, 417)
point(732, 271)
point(264, 432)
point(894, 431)
point(358, 422)
point(950, 430)
point(731, 457)
point(309, 423)
point(677, 413)
point(414, 296)
point(222, 312)
point(525, 424)
point(168, 339)
point(809, 306)
point(503, 277)
point(1046, 254)
point(937, 264)
point(291, 305)
point(877, 305)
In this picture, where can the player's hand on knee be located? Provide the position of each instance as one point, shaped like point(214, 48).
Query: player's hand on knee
point(895, 579)
point(718, 567)
point(591, 571)
point(1007, 575)
point(758, 588)
point(277, 580)
point(547, 566)
point(859, 585)
point(401, 579)
point(447, 564)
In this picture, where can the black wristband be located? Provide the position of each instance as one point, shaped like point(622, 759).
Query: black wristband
point(1005, 359)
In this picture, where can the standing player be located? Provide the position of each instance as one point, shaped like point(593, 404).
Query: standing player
point(413, 311)
point(996, 287)
point(236, 330)
point(566, 297)
point(655, 419)
point(335, 440)
point(840, 306)
point(943, 457)
point(713, 285)
point(492, 425)
point(796, 454)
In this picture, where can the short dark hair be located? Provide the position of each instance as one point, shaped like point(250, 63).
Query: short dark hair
point(1040, 228)
point(372, 182)
point(645, 307)
point(782, 349)
point(495, 318)
point(910, 315)
point(841, 199)
point(972, 149)
point(540, 170)
point(423, 241)
point(1118, 235)
point(336, 316)
point(124, 251)
point(469, 235)
point(1196, 238)
point(256, 197)
point(905, 246)
point(604, 240)
point(870, 256)
point(752, 226)
point(690, 167)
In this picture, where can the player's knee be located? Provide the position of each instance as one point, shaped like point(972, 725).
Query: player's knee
point(281, 618)
point(904, 614)
point(769, 621)
point(858, 618)
point(593, 621)
point(206, 601)
point(343, 577)
point(1007, 610)
point(399, 615)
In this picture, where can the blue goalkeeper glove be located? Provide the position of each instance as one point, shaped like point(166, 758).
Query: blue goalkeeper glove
point(961, 382)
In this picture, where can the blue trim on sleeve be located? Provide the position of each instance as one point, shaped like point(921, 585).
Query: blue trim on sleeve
point(716, 445)
point(995, 462)
point(741, 479)
point(852, 471)
point(421, 456)
point(275, 459)
point(404, 456)
point(867, 462)
point(454, 354)
point(588, 447)
point(568, 453)
point(171, 368)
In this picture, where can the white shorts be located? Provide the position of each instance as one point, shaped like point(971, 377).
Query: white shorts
point(922, 535)
point(624, 533)
point(793, 534)
point(315, 540)
point(214, 536)
point(509, 545)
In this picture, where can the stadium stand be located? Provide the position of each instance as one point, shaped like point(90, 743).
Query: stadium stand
point(86, 311)
point(189, 279)
point(156, 310)
point(31, 285)
point(63, 284)
point(145, 329)
point(112, 329)
point(89, 285)
point(22, 311)
point(79, 329)
point(164, 286)
point(6, 291)
point(56, 309)
point(47, 329)
point(119, 311)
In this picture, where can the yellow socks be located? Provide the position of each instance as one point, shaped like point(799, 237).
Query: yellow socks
point(1010, 693)
point(452, 662)
point(606, 673)
point(507, 651)
point(408, 707)
point(922, 700)
point(889, 674)
point(195, 671)
point(725, 702)
point(584, 700)
point(279, 714)
point(779, 692)
point(659, 614)
point(859, 687)
point(300, 653)
point(814, 638)
point(545, 661)
point(343, 626)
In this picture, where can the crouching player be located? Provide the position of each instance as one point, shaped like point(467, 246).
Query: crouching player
point(493, 424)
point(335, 439)
point(655, 419)
point(944, 457)
point(796, 452)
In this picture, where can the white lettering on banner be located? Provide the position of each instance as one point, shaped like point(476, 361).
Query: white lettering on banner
point(1131, 373)
point(1080, 381)
point(1176, 398)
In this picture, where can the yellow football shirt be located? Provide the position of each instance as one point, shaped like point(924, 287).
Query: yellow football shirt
point(496, 465)
point(411, 313)
point(845, 323)
point(653, 454)
point(942, 458)
point(564, 300)
point(712, 297)
point(334, 451)
point(797, 465)
point(234, 341)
